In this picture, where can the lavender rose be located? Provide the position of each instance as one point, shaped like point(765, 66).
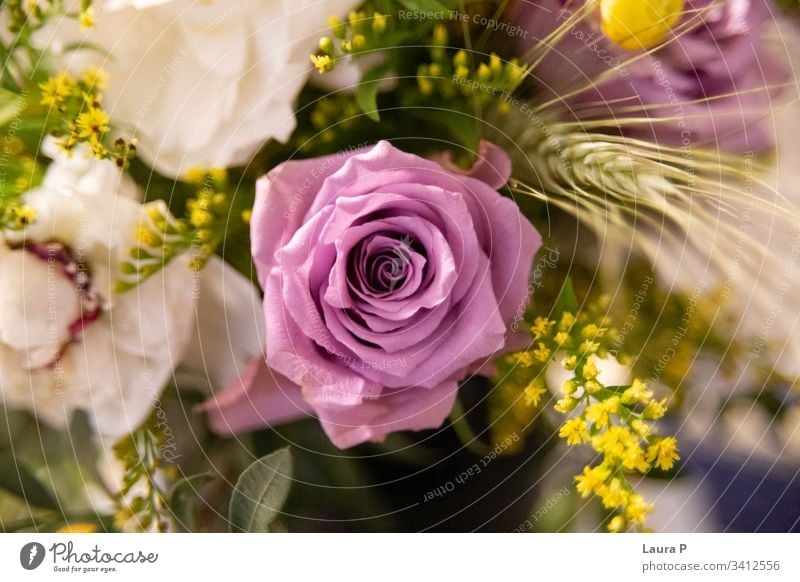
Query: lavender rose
point(387, 279)
point(713, 84)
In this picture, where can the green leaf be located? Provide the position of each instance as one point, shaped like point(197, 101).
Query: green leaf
point(567, 301)
point(423, 5)
point(461, 125)
point(260, 492)
point(367, 92)
point(462, 428)
point(83, 448)
point(183, 499)
point(10, 105)
point(18, 480)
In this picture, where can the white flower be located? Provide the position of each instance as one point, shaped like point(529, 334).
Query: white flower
point(202, 83)
point(67, 341)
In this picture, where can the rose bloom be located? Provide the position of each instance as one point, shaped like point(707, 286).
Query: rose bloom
point(67, 341)
point(200, 83)
point(713, 83)
point(387, 278)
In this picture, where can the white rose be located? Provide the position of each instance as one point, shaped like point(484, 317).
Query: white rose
point(67, 341)
point(202, 83)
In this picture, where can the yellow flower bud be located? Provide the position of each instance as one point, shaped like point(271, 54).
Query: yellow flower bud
point(639, 24)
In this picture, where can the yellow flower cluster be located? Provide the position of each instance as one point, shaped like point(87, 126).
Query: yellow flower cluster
point(161, 237)
point(86, 16)
point(482, 82)
point(16, 216)
point(356, 34)
point(332, 115)
point(80, 118)
point(615, 421)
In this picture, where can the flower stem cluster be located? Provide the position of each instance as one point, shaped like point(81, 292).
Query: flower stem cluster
point(480, 81)
point(161, 237)
point(360, 33)
point(333, 113)
point(616, 422)
point(80, 117)
point(142, 503)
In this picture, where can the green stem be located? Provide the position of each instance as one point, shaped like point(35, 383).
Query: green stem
point(464, 431)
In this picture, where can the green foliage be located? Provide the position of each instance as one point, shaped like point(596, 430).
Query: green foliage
point(17, 479)
point(182, 501)
point(367, 92)
point(142, 502)
point(260, 492)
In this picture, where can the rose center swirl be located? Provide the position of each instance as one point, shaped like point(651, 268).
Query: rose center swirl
point(384, 263)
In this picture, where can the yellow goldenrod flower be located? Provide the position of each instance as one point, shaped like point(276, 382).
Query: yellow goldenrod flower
point(247, 215)
point(565, 405)
point(86, 19)
point(593, 387)
point(56, 89)
point(219, 175)
point(617, 524)
point(592, 479)
point(440, 37)
point(358, 41)
point(92, 123)
point(590, 331)
point(574, 431)
point(495, 63)
point(561, 338)
point(589, 347)
point(541, 326)
point(541, 353)
point(570, 362)
point(326, 45)
point(639, 24)
point(200, 218)
point(378, 22)
point(425, 85)
point(663, 453)
point(590, 371)
point(194, 176)
point(569, 387)
point(614, 442)
point(534, 392)
point(146, 236)
point(614, 494)
point(600, 412)
point(524, 359)
point(633, 458)
point(78, 527)
point(637, 392)
point(323, 63)
point(655, 410)
point(462, 72)
point(641, 428)
point(95, 78)
point(567, 321)
point(637, 509)
point(461, 60)
point(23, 215)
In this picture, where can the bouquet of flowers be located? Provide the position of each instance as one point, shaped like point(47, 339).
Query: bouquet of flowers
point(398, 265)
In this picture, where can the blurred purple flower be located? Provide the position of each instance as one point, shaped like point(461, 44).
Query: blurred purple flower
point(712, 85)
